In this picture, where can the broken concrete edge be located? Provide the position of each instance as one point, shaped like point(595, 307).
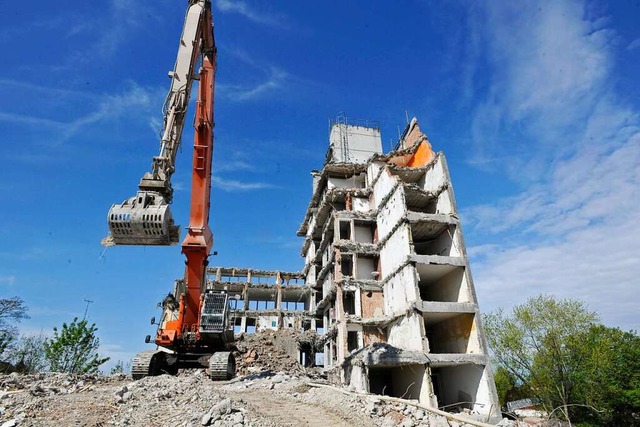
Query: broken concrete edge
point(351, 168)
point(410, 217)
point(383, 354)
point(240, 272)
point(435, 411)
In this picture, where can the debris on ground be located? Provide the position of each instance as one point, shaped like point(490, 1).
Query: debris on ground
point(271, 389)
point(191, 399)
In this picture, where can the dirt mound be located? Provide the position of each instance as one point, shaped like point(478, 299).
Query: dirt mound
point(275, 352)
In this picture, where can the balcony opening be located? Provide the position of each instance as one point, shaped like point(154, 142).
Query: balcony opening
point(363, 232)
point(352, 341)
point(433, 238)
point(366, 267)
point(439, 282)
point(349, 302)
point(345, 230)
point(451, 333)
point(346, 265)
point(237, 325)
point(251, 326)
point(456, 388)
point(404, 382)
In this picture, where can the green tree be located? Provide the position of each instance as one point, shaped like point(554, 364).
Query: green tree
point(121, 368)
point(532, 343)
point(12, 311)
point(509, 387)
point(28, 355)
point(609, 375)
point(74, 348)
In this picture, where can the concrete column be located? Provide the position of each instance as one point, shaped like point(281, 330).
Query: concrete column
point(278, 292)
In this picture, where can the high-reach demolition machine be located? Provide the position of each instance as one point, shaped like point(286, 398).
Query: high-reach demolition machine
point(194, 330)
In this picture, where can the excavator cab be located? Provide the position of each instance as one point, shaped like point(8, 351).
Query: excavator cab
point(142, 220)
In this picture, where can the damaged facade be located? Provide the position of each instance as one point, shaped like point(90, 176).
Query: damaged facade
point(386, 281)
point(389, 276)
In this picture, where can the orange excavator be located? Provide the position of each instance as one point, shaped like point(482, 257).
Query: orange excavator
point(194, 329)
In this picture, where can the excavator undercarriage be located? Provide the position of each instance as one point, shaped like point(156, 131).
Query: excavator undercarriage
point(220, 365)
point(210, 346)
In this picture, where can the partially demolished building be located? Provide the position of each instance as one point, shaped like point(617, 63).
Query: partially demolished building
point(386, 280)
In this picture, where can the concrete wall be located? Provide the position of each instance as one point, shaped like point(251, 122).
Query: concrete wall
point(362, 143)
point(356, 181)
point(364, 267)
point(361, 204)
point(399, 292)
point(394, 206)
point(435, 178)
point(363, 233)
point(407, 333)
point(372, 303)
point(267, 323)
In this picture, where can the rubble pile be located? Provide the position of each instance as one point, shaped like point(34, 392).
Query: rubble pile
point(270, 351)
point(264, 398)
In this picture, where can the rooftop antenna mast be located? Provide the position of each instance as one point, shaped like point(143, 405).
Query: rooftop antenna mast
point(344, 136)
point(86, 309)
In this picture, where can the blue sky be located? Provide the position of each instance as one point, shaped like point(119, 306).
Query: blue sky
point(535, 104)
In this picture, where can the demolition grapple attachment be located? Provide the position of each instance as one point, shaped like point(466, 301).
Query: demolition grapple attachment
point(142, 220)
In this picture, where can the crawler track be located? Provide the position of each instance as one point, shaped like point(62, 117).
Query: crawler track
point(222, 366)
point(140, 367)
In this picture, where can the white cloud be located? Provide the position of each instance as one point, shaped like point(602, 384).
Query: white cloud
point(243, 9)
point(135, 98)
point(9, 280)
point(233, 185)
point(11, 85)
point(634, 44)
point(274, 80)
point(572, 231)
point(110, 107)
point(115, 28)
point(233, 165)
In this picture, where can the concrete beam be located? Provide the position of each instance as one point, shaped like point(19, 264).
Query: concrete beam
point(445, 307)
point(425, 217)
point(446, 359)
point(437, 259)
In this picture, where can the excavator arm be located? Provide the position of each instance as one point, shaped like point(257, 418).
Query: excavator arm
point(145, 219)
